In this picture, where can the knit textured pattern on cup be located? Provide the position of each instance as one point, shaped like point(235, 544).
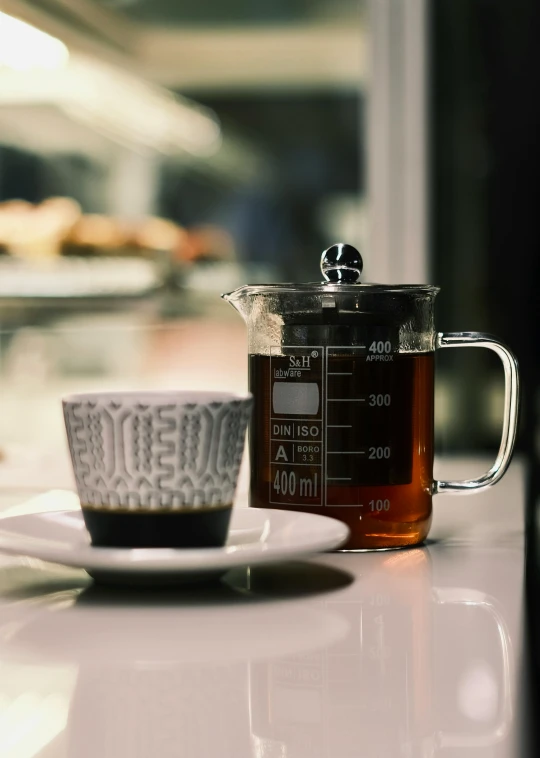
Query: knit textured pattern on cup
point(153, 451)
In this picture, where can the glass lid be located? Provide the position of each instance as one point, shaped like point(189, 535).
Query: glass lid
point(341, 267)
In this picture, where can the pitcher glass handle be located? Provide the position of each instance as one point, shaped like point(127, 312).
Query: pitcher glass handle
point(511, 404)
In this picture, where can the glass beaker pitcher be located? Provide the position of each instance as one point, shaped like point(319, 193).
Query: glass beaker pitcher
point(343, 385)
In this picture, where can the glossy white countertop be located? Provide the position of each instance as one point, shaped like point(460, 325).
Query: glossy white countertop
point(412, 653)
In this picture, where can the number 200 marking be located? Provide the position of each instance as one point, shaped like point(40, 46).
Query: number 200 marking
point(378, 453)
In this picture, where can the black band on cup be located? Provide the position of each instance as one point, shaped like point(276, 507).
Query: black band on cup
point(198, 527)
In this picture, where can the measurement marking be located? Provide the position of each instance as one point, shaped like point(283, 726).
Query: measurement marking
point(303, 505)
point(346, 400)
point(294, 418)
point(336, 350)
point(324, 413)
point(339, 478)
point(305, 441)
point(293, 463)
point(346, 347)
point(346, 452)
point(344, 505)
point(270, 408)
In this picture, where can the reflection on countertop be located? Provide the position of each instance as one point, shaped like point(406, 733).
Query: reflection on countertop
point(403, 653)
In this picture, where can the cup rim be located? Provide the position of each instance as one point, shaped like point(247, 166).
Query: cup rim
point(157, 397)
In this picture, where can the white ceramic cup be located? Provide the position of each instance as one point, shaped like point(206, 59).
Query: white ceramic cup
point(143, 459)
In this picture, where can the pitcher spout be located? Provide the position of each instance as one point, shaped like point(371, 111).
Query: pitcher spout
point(240, 299)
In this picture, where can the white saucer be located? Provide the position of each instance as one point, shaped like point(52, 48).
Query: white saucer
point(256, 536)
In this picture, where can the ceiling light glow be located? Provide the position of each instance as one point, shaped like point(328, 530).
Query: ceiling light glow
point(23, 47)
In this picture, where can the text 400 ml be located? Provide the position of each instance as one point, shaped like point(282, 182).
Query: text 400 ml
point(288, 483)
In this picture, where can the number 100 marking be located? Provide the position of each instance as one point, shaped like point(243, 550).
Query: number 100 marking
point(379, 505)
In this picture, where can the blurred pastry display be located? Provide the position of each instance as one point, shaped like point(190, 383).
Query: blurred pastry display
point(53, 250)
point(36, 232)
point(57, 227)
point(93, 234)
point(158, 234)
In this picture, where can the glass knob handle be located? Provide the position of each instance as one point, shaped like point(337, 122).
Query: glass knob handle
point(341, 264)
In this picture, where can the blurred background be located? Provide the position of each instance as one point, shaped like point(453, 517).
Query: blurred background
point(155, 153)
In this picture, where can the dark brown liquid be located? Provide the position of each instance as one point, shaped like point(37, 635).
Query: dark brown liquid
point(196, 528)
point(348, 436)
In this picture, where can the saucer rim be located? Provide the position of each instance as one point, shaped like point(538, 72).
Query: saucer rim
point(328, 534)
